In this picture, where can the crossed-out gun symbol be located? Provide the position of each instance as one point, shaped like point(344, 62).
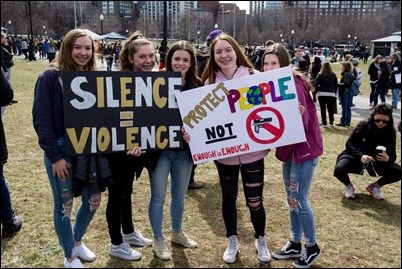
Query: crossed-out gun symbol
point(260, 123)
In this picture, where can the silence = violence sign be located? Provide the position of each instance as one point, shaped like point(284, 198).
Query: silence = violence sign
point(116, 111)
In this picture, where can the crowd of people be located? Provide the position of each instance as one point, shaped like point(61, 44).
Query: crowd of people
point(222, 59)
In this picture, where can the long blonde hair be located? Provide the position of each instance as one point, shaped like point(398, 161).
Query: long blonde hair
point(212, 67)
point(63, 60)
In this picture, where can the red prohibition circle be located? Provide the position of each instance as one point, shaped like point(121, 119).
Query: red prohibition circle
point(277, 132)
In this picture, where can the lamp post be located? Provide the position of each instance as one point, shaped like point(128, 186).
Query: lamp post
point(44, 30)
point(293, 32)
point(355, 42)
point(348, 42)
point(216, 26)
point(126, 32)
point(9, 24)
point(234, 19)
point(101, 19)
point(281, 37)
point(222, 16)
point(198, 38)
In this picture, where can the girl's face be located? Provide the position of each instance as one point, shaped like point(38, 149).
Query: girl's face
point(225, 56)
point(381, 120)
point(271, 62)
point(82, 51)
point(143, 59)
point(181, 61)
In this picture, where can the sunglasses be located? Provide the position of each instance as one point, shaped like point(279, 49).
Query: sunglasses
point(383, 121)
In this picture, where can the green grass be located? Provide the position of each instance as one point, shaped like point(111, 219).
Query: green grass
point(360, 233)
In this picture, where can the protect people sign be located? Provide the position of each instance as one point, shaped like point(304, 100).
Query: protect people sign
point(242, 115)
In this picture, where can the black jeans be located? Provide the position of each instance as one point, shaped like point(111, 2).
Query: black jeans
point(327, 103)
point(119, 208)
point(390, 173)
point(253, 184)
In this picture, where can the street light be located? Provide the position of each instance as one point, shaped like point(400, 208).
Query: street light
point(222, 16)
point(293, 32)
point(234, 19)
point(126, 32)
point(198, 37)
point(44, 30)
point(348, 42)
point(9, 23)
point(101, 19)
point(281, 37)
point(216, 26)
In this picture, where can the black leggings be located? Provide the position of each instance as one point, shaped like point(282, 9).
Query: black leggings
point(390, 173)
point(253, 184)
point(119, 207)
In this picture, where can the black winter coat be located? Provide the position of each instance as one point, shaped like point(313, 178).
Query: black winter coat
point(6, 96)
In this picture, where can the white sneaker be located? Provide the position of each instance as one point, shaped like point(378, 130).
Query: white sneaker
point(262, 249)
point(85, 253)
point(125, 252)
point(161, 249)
point(350, 192)
point(374, 191)
point(76, 263)
point(231, 252)
point(181, 238)
point(137, 239)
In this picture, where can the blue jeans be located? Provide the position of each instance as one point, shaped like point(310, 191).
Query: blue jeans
point(346, 102)
point(395, 97)
point(6, 208)
point(63, 205)
point(179, 164)
point(297, 180)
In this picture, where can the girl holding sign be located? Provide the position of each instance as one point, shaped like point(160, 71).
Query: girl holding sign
point(176, 162)
point(299, 162)
point(138, 55)
point(77, 53)
point(227, 61)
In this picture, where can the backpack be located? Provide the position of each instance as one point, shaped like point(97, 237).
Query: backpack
point(355, 87)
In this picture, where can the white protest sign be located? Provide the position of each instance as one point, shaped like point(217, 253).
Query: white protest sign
point(242, 115)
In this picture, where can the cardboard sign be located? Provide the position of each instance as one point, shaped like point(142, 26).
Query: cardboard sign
point(242, 115)
point(116, 111)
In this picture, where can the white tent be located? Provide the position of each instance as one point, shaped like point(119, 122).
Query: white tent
point(93, 35)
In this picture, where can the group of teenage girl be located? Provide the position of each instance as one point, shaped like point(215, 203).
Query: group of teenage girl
point(227, 61)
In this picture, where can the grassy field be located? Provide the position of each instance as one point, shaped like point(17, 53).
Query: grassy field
point(357, 234)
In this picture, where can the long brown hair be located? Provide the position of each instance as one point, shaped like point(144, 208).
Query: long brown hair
point(211, 67)
point(64, 61)
point(192, 73)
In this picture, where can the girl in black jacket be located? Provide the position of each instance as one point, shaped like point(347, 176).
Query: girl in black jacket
point(359, 155)
point(382, 82)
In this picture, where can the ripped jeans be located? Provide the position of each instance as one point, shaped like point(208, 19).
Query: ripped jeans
point(297, 180)
point(253, 185)
point(63, 206)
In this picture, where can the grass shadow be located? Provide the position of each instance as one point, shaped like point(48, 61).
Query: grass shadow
point(382, 211)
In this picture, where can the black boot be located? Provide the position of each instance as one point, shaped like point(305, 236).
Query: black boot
point(11, 226)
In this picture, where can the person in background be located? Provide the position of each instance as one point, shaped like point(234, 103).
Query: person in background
point(382, 83)
point(345, 93)
point(359, 155)
point(298, 164)
point(229, 62)
point(10, 221)
point(137, 55)
point(326, 85)
point(315, 69)
point(373, 70)
point(395, 71)
point(76, 54)
point(176, 162)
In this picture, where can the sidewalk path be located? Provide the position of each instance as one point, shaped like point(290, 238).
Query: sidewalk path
point(361, 109)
